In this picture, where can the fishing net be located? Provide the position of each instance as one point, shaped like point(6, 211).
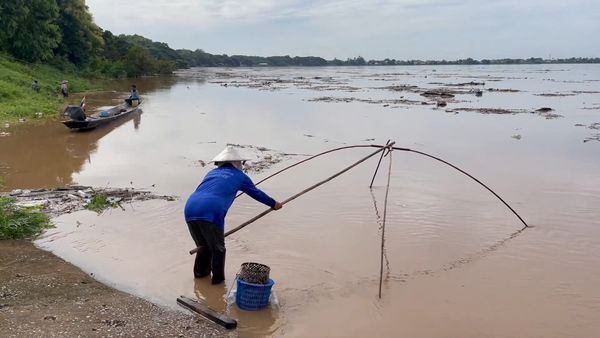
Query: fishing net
point(254, 273)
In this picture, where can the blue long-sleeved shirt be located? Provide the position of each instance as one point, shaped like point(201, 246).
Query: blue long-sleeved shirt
point(135, 95)
point(216, 193)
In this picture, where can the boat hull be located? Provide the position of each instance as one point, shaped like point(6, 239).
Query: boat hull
point(96, 121)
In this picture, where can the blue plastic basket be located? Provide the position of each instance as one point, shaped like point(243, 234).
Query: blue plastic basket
point(252, 297)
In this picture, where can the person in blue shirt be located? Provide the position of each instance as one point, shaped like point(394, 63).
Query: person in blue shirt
point(135, 95)
point(206, 208)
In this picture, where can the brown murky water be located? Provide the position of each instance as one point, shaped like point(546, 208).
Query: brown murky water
point(457, 265)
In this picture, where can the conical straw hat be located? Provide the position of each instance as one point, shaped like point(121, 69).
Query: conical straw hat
point(229, 154)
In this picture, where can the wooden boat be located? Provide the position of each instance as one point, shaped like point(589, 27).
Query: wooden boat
point(101, 118)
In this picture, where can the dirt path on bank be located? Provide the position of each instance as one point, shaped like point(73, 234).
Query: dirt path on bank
point(43, 296)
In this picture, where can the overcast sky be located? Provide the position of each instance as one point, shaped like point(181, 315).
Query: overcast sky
point(375, 29)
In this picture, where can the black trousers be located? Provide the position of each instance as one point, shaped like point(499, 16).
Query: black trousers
point(212, 257)
point(130, 101)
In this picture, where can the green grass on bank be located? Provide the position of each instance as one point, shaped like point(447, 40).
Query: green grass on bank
point(100, 202)
point(20, 223)
point(18, 100)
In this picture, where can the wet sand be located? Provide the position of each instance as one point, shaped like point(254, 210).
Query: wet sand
point(41, 295)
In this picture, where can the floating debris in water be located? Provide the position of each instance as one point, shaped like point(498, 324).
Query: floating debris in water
point(371, 101)
point(593, 126)
point(264, 157)
point(437, 93)
point(464, 84)
point(516, 136)
point(401, 88)
point(501, 111)
point(544, 110)
point(503, 90)
point(74, 198)
point(585, 92)
point(547, 113)
point(594, 137)
point(554, 94)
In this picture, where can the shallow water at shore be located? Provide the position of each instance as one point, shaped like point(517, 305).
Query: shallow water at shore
point(457, 265)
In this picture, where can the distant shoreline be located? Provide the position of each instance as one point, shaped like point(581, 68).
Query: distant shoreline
point(399, 64)
point(312, 61)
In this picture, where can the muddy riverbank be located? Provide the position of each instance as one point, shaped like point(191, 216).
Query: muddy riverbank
point(41, 295)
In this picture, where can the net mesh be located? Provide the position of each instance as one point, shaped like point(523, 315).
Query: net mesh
point(255, 273)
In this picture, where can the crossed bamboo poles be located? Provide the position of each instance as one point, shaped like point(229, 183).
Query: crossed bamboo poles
point(383, 150)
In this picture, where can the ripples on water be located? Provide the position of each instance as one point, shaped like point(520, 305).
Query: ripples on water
point(458, 265)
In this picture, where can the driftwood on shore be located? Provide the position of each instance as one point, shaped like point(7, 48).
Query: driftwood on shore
point(56, 202)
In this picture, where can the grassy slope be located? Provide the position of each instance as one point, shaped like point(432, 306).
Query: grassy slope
point(18, 100)
point(18, 223)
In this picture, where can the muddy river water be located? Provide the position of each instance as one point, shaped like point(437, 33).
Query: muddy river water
point(458, 265)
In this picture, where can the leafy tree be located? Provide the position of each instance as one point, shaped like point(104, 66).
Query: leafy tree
point(139, 62)
point(336, 62)
point(115, 47)
point(27, 28)
point(158, 50)
point(358, 61)
point(164, 67)
point(81, 38)
point(309, 61)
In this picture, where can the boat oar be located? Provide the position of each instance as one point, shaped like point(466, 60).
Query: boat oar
point(239, 227)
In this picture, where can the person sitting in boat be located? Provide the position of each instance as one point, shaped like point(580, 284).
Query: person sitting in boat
point(135, 95)
point(206, 208)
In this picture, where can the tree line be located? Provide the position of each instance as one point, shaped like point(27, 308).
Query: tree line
point(62, 33)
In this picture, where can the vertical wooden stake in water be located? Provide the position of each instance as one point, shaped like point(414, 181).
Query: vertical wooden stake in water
point(378, 163)
point(385, 203)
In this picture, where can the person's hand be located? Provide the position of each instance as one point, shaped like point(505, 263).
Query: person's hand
point(277, 206)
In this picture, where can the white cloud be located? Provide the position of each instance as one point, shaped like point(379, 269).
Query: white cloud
point(376, 28)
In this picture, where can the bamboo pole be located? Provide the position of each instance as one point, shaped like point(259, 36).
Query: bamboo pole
point(313, 157)
point(381, 148)
point(385, 204)
point(314, 186)
point(378, 163)
point(470, 176)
